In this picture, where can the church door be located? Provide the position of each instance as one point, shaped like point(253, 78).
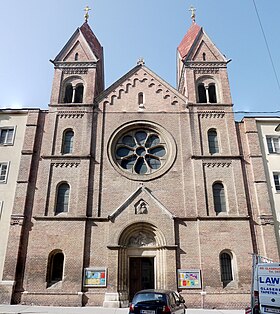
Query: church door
point(141, 274)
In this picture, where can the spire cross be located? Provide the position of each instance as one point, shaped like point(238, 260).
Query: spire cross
point(192, 9)
point(87, 9)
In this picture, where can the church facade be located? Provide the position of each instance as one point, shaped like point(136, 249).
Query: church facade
point(137, 186)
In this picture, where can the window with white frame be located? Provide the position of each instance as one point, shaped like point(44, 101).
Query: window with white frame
point(3, 171)
point(273, 144)
point(276, 177)
point(7, 135)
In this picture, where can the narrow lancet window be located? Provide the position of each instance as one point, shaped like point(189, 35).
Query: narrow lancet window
point(212, 93)
point(79, 91)
point(202, 94)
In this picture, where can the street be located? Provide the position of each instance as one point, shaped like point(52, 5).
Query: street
point(20, 309)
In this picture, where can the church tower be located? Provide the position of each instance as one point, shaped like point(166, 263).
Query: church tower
point(78, 67)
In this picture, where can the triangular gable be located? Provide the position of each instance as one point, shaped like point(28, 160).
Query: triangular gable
point(133, 197)
point(143, 75)
point(84, 37)
point(203, 48)
point(205, 44)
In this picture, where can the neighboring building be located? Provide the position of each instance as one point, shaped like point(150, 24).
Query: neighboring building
point(12, 130)
point(17, 130)
point(13, 124)
point(137, 186)
point(268, 129)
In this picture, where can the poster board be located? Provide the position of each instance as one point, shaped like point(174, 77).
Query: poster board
point(95, 277)
point(189, 279)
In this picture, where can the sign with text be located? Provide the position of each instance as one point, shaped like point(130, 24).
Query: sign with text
point(189, 279)
point(95, 277)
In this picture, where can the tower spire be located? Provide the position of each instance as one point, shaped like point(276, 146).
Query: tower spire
point(87, 9)
point(192, 9)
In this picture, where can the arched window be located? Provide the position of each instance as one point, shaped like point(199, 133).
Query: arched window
point(79, 91)
point(213, 141)
point(140, 99)
point(68, 94)
point(204, 56)
point(67, 143)
point(202, 94)
point(62, 199)
point(76, 56)
point(226, 268)
point(212, 93)
point(55, 267)
point(219, 198)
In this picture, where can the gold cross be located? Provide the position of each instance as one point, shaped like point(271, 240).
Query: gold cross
point(192, 9)
point(87, 9)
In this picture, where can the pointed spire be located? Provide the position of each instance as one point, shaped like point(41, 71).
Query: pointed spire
point(87, 9)
point(192, 9)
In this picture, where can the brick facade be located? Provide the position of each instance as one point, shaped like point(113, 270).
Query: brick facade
point(178, 227)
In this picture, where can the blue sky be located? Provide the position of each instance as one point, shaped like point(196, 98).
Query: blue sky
point(34, 31)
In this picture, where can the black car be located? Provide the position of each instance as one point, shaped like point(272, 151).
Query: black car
point(157, 302)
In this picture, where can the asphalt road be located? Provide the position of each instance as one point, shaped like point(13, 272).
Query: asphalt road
point(25, 309)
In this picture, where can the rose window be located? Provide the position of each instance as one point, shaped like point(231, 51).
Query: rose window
point(141, 152)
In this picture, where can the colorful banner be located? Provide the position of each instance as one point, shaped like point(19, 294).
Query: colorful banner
point(95, 277)
point(189, 279)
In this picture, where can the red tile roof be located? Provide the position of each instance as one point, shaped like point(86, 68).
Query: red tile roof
point(188, 40)
point(92, 40)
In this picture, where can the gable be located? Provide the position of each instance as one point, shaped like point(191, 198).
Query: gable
point(77, 48)
point(141, 203)
point(142, 90)
point(205, 46)
point(76, 44)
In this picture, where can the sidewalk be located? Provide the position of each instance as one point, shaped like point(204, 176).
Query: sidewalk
point(26, 309)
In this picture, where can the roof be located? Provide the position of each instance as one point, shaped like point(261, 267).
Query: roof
point(189, 39)
point(92, 40)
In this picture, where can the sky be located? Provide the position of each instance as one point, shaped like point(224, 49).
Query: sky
point(34, 31)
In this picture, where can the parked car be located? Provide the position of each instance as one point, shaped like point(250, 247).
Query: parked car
point(157, 302)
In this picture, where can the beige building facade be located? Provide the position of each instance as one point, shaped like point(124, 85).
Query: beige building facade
point(140, 185)
point(269, 137)
point(12, 130)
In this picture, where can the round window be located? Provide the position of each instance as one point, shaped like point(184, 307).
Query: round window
point(142, 150)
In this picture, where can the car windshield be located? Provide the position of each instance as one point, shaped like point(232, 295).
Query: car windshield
point(149, 296)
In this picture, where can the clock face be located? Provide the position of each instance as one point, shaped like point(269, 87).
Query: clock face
point(141, 151)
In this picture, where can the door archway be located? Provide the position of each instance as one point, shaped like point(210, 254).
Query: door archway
point(144, 245)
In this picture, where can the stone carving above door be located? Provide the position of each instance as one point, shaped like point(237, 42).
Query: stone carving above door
point(141, 207)
point(141, 239)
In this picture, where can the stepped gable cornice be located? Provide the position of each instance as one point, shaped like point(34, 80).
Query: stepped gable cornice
point(189, 39)
point(156, 82)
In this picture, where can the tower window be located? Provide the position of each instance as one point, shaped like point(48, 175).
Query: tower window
point(62, 200)
point(67, 143)
point(212, 93)
point(79, 91)
point(202, 94)
point(226, 268)
point(76, 56)
point(219, 198)
point(204, 56)
point(68, 94)
point(55, 268)
point(213, 142)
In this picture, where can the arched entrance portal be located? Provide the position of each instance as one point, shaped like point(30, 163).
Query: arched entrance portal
point(142, 259)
